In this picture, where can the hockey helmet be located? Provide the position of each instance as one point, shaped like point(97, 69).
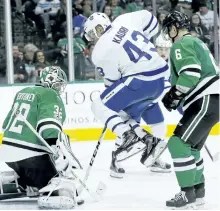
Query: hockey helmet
point(164, 43)
point(177, 19)
point(53, 77)
point(95, 25)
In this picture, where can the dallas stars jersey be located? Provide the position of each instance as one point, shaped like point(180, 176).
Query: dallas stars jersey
point(193, 69)
point(44, 110)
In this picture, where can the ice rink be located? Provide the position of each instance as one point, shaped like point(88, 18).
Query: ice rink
point(140, 189)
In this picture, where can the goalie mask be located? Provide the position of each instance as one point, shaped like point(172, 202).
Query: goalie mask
point(53, 77)
point(95, 25)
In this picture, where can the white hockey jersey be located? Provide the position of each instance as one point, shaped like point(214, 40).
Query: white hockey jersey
point(125, 50)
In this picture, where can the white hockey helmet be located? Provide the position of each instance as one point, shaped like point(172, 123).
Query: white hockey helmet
point(96, 25)
point(164, 43)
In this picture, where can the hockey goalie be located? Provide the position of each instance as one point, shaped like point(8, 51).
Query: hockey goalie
point(35, 170)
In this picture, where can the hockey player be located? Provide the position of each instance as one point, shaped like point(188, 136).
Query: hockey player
point(133, 73)
point(152, 114)
point(22, 150)
point(195, 85)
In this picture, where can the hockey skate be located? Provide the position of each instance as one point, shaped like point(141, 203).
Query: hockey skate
point(154, 148)
point(129, 148)
point(183, 200)
point(160, 167)
point(129, 138)
point(116, 170)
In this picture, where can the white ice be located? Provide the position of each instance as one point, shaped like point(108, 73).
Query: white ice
point(140, 189)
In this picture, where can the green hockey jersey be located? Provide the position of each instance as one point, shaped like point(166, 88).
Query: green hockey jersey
point(193, 69)
point(43, 108)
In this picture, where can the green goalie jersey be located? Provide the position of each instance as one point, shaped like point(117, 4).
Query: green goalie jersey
point(44, 110)
point(193, 69)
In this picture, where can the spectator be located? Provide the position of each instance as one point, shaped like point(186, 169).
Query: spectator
point(79, 57)
point(39, 63)
point(115, 9)
point(87, 11)
point(90, 67)
point(58, 28)
point(108, 11)
point(195, 5)
point(206, 15)
point(135, 6)
point(29, 51)
point(47, 10)
point(161, 16)
point(20, 74)
point(21, 55)
point(78, 22)
point(39, 60)
point(162, 5)
point(201, 31)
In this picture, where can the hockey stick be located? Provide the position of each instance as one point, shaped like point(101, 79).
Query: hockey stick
point(53, 152)
point(92, 160)
point(214, 157)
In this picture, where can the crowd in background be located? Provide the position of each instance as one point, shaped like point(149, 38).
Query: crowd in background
point(40, 38)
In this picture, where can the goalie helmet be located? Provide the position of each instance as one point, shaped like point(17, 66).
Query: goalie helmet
point(95, 25)
point(53, 77)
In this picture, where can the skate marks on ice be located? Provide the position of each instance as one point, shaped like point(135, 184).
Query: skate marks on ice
point(139, 189)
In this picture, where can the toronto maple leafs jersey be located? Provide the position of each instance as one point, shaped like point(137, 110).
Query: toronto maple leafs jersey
point(124, 49)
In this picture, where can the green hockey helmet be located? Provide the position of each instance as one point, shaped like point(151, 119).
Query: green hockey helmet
point(53, 77)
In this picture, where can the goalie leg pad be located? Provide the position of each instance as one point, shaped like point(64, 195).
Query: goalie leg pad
point(61, 194)
point(8, 179)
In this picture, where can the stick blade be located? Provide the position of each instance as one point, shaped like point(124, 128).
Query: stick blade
point(101, 189)
point(216, 157)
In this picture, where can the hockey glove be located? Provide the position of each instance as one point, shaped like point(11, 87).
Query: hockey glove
point(172, 99)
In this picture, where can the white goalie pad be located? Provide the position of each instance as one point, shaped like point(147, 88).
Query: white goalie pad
point(60, 194)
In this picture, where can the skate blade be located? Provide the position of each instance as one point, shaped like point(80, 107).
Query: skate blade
point(134, 151)
point(200, 202)
point(191, 206)
point(116, 175)
point(159, 170)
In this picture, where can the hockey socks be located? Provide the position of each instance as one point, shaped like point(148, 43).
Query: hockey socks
point(188, 165)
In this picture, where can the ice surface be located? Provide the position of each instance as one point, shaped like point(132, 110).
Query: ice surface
point(140, 189)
